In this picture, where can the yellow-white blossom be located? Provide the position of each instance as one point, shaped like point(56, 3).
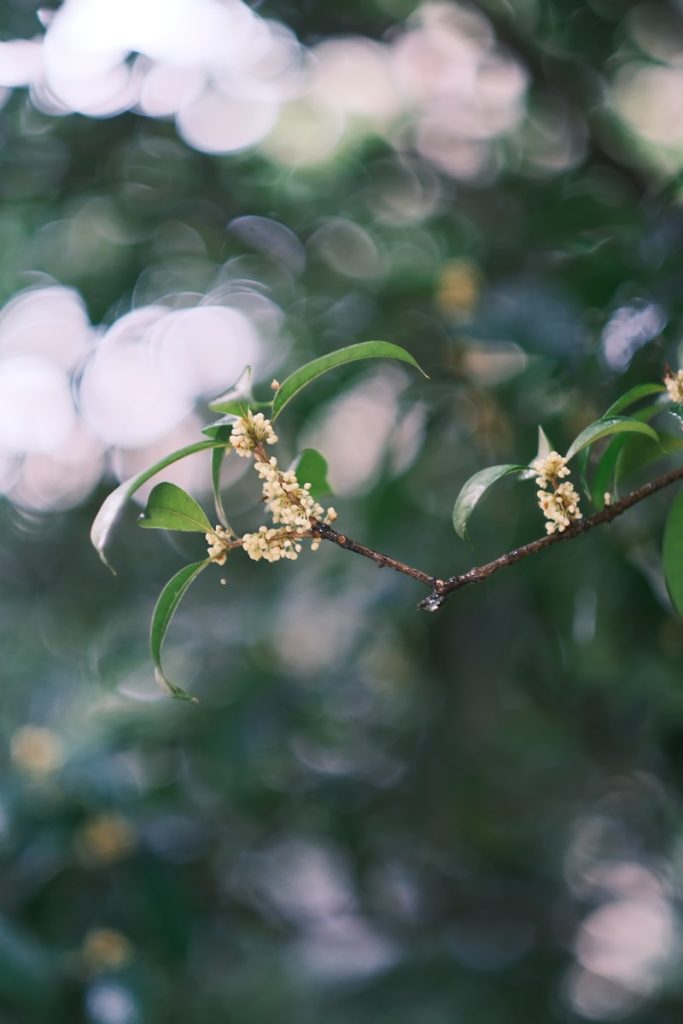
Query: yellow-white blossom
point(289, 502)
point(251, 430)
point(105, 949)
point(674, 385)
point(36, 750)
point(560, 507)
point(550, 468)
point(219, 541)
point(271, 544)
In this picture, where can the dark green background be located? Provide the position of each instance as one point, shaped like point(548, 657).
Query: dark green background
point(452, 795)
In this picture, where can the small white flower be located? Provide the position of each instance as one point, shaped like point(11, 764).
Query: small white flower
point(219, 544)
point(560, 507)
point(550, 468)
point(251, 430)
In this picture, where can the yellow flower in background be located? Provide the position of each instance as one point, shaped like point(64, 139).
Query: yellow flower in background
point(105, 838)
point(36, 750)
point(105, 949)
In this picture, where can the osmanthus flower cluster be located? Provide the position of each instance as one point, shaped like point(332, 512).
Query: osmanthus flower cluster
point(293, 510)
point(290, 496)
point(557, 497)
point(296, 516)
point(559, 502)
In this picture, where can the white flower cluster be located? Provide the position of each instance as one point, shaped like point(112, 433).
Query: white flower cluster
point(271, 544)
point(219, 541)
point(287, 501)
point(249, 432)
point(560, 504)
point(290, 504)
point(560, 507)
point(674, 385)
point(550, 468)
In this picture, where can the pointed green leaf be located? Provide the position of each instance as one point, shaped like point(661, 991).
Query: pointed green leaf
point(310, 371)
point(311, 468)
point(632, 396)
point(164, 610)
point(603, 428)
point(112, 506)
point(237, 399)
point(474, 490)
point(171, 508)
point(544, 445)
point(672, 553)
point(543, 449)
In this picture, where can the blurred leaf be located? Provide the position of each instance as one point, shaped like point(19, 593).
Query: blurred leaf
point(582, 470)
point(171, 508)
point(311, 468)
point(310, 371)
point(164, 610)
point(474, 489)
point(603, 428)
point(631, 396)
point(113, 505)
point(672, 553)
point(641, 452)
point(27, 974)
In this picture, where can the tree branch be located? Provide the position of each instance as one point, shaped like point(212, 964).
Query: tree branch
point(441, 589)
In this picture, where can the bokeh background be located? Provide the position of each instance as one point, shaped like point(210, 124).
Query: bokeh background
point(372, 814)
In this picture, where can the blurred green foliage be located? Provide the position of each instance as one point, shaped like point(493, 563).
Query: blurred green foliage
point(372, 814)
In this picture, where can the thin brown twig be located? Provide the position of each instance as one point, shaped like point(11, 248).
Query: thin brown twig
point(441, 589)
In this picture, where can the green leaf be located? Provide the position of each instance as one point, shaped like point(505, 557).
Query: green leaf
point(217, 456)
point(616, 460)
point(632, 396)
point(311, 468)
point(221, 429)
point(164, 610)
point(171, 508)
point(310, 371)
point(543, 449)
point(641, 452)
point(544, 446)
point(603, 428)
point(604, 477)
point(240, 397)
point(473, 491)
point(112, 506)
point(672, 553)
